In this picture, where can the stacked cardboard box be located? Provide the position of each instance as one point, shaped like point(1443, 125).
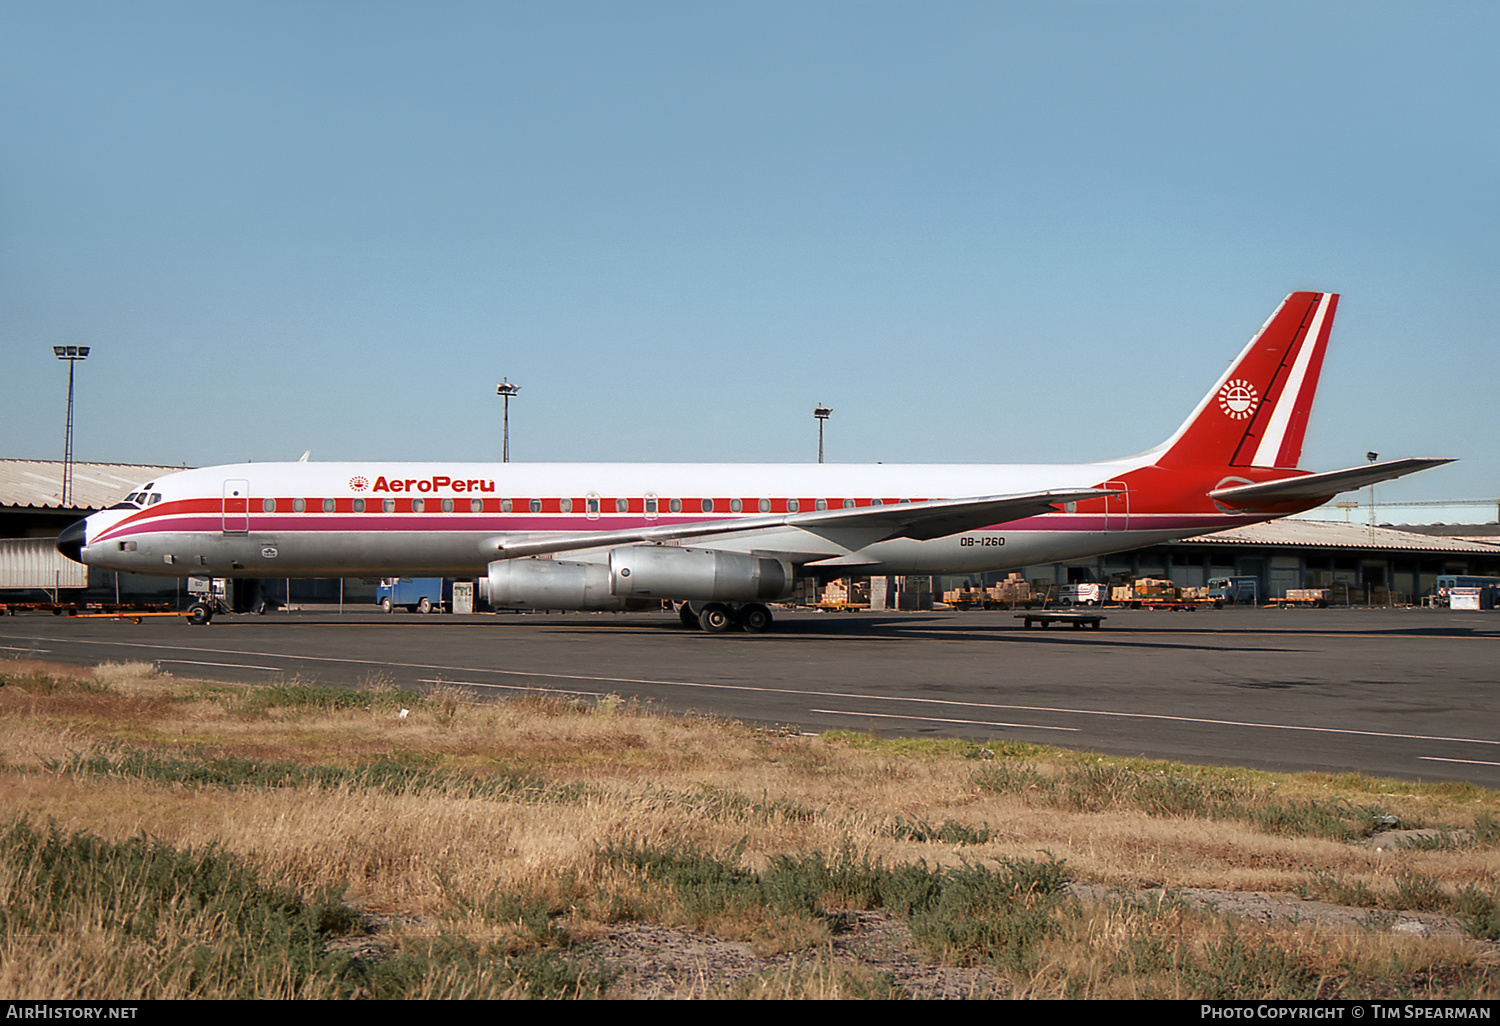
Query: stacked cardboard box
point(1155, 589)
point(848, 590)
point(1013, 589)
point(964, 596)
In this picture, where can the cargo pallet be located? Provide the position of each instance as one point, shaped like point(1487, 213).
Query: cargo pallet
point(88, 609)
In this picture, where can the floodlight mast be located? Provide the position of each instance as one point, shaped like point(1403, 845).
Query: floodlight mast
point(72, 354)
point(822, 413)
point(505, 390)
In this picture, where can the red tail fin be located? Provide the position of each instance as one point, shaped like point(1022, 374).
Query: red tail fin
point(1257, 414)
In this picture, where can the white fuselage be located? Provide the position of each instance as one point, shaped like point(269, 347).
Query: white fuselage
point(362, 519)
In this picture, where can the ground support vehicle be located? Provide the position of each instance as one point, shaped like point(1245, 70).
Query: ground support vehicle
point(1296, 598)
point(414, 594)
point(1047, 617)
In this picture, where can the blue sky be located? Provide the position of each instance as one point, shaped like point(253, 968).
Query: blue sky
point(989, 232)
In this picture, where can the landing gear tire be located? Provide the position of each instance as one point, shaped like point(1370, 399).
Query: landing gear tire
point(715, 618)
point(688, 617)
point(755, 618)
point(199, 614)
point(424, 605)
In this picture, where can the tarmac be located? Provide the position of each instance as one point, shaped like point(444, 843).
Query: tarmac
point(1406, 693)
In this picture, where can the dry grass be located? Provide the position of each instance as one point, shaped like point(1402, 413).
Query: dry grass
point(485, 825)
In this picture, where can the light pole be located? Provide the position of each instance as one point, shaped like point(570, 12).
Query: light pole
point(822, 413)
point(1372, 457)
point(505, 390)
point(72, 354)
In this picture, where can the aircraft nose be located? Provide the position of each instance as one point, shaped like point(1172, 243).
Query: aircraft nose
point(70, 543)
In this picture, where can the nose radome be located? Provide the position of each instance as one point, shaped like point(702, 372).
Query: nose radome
point(70, 543)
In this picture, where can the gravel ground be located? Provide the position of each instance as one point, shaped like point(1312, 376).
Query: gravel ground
point(661, 962)
point(666, 962)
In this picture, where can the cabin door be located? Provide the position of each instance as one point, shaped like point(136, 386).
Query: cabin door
point(236, 507)
point(1117, 508)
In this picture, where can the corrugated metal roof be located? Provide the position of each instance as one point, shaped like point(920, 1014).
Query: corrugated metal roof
point(1322, 534)
point(37, 484)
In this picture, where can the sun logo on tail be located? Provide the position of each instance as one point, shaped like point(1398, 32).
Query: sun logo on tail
point(1238, 399)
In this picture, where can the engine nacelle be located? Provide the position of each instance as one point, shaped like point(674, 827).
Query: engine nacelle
point(700, 575)
point(548, 584)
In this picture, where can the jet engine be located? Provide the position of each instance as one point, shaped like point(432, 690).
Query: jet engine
point(548, 584)
point(699, 575)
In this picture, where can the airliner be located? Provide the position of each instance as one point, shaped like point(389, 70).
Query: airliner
point(720, 541)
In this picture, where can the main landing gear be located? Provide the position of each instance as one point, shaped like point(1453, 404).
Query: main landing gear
point(722, 617)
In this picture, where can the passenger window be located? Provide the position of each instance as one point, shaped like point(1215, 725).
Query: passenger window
point(418, 505)
point(447, 505)
point(566, 505)
point(848, 503)
point(793, 505)
point(736, 506)
point(708, 505)
point(268, 505)
point(675, 505)
point(765, 505)
point(622, 505)
point(536, 505)
point(299, 505)
point(388, 506)
point(359, 505)
point(328, 505)
point(821, 504)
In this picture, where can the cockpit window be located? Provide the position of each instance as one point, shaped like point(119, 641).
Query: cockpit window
point(155, 498)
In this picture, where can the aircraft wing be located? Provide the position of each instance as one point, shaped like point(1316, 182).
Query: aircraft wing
point(1310, 487)
point(920, 520)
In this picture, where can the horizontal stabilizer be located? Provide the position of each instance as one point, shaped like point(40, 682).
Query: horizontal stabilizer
point(919, 520)
point(1316, 487)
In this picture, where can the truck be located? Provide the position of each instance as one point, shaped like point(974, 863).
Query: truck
point(1086, 594)
point(1487, 590)
point(414, 594)
point(1234, 591)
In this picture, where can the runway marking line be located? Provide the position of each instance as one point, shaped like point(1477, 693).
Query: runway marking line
point(1106, 713)
point(200, 662)
point(1466, 762)
point(1128, 632)
point(941, 719)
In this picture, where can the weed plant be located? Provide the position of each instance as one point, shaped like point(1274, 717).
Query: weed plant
point(199, 768)
point(1097, 787)
point(972, 914)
